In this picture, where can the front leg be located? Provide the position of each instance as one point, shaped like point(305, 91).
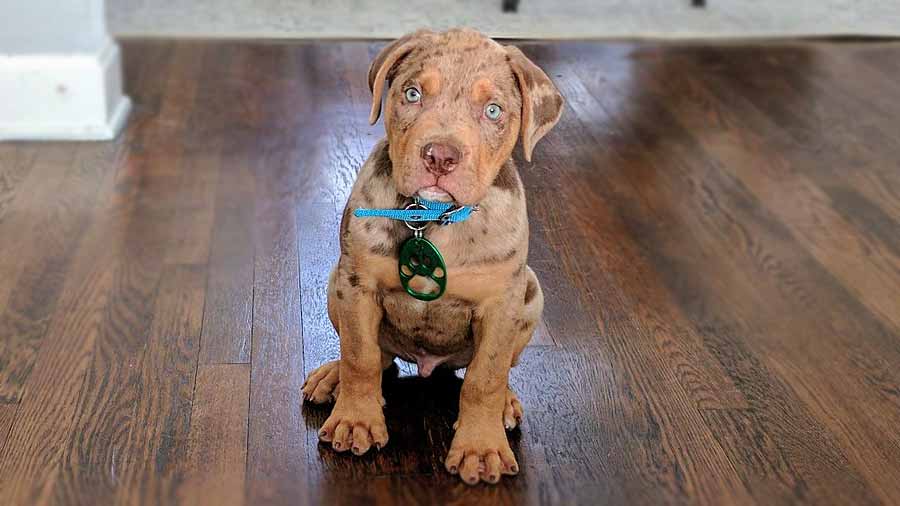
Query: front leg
point(480, 449)
point(357, 420)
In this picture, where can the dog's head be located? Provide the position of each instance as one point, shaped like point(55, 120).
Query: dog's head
point(456, 103)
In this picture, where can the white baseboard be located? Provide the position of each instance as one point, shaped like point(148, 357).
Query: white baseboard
point(62, 96)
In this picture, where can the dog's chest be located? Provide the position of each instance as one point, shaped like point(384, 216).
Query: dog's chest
point(429, 333)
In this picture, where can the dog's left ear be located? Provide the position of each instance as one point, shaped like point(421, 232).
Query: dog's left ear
point(384, 63)
point(542, 103)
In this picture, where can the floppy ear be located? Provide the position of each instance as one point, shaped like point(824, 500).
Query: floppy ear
point(384, 63)
point(541, 102)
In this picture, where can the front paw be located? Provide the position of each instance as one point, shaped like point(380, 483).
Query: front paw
point(355, 424)
point(481, 452)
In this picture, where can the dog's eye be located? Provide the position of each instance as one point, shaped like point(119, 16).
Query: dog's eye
point(493, 112)
point(412, 95)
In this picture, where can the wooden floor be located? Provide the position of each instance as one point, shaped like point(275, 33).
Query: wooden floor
point(717, 230)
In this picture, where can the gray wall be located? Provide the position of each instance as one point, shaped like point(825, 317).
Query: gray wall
point(537, 18)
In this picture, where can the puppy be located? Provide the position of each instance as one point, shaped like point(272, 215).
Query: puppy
point(456, 103)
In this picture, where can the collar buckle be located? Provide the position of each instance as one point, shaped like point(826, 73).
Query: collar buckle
point(445, 218)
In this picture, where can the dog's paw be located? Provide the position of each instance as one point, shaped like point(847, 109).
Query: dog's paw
point(355, 425)
point(512, 413)
point(480, 452)
point(323, 384)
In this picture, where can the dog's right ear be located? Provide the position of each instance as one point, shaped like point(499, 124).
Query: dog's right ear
point(384, 63)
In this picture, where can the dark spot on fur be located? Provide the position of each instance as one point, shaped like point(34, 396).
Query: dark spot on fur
point(545, 111)
point(530, 291)
point(492, 356)
point(526, 76)
point(368, 226)
point(471, 240)
point(524, 325)
point(345, 227)
point(340, 294)
point(484, 231)
point(507, 178)
point(383, 165)
point(491, 259)
point(353, 279)
point(384, 249)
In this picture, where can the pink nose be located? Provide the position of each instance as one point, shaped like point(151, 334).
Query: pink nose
point(440, 159)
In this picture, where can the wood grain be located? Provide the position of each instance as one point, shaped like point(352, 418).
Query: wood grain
point(276, 443)
point(69, 184)
point(715, 229)
point(7, 416)
point(213, 470)
point(156, 447)
point(769, 251)
point(227, 317)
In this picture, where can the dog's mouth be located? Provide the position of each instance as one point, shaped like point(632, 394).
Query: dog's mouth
point(435, 193)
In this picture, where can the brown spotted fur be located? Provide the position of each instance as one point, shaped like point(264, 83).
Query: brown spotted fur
point(493, 299)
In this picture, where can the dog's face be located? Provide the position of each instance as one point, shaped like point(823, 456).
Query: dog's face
point(455, 106)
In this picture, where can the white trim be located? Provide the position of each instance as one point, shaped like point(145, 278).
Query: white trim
point(62, 96)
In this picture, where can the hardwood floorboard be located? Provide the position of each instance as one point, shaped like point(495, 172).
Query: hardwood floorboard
point(228, 314)
point(155, 447)
point(139, 254)
point(690, 98)
point(640, 336)
point(66, 187)
point(276, 446)
point(50, 457)
point(7, 416)
point(17, 163)
point(831, 239)
point(213, 472)
point(715, 229)
point(858, 173)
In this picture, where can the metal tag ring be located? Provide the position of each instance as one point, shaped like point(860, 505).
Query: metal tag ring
point(410, 224)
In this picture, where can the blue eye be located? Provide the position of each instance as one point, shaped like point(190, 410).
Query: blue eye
point(412, 95)
point(493, 112)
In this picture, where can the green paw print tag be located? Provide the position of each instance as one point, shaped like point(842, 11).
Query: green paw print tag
point(420, 257)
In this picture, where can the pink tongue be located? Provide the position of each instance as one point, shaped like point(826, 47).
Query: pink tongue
point(427, 364)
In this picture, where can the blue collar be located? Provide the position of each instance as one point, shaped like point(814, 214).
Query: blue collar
point(421, 210)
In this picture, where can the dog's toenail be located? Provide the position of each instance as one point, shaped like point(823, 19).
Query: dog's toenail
point(514, 469)
point(323, 433)
point(337, 445)
point(378, 446)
